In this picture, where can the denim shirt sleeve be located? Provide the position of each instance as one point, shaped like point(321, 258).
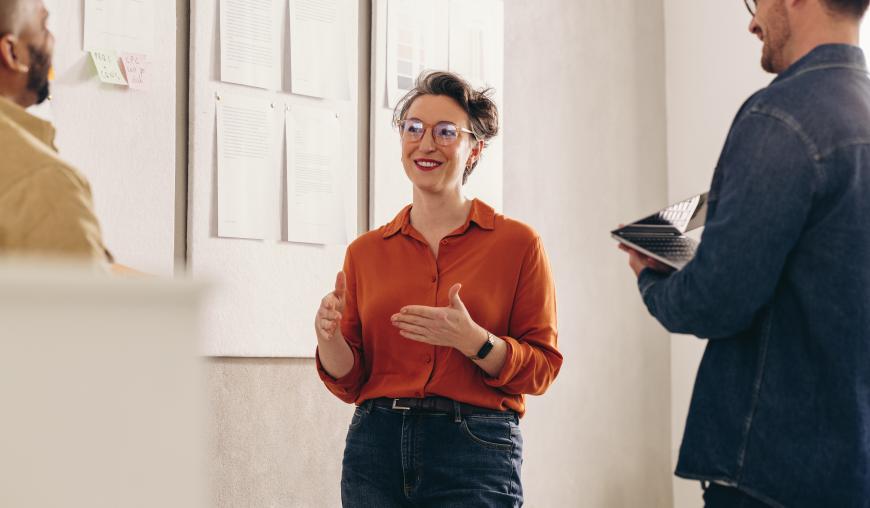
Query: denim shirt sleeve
point(763, 193)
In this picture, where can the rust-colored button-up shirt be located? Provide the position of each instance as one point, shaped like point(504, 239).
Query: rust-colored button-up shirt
point(507, 288)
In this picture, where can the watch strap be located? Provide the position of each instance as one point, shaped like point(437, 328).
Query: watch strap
point(485, 348)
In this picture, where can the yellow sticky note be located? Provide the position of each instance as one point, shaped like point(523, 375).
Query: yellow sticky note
point(108, 69)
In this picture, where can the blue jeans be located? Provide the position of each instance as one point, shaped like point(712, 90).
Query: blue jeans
point(396, 458)
point(720, 496)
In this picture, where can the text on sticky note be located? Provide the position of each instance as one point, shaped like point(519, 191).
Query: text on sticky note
point(108, 69)
point(138, 70)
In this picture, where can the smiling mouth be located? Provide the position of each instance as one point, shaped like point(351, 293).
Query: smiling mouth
point(427, 164)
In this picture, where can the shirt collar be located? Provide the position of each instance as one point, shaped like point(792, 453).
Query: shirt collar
point(481, 214)
point(827, 56)
point(37, 127)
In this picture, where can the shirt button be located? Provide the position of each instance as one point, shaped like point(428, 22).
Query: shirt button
point(434, 278)
point(427, 359)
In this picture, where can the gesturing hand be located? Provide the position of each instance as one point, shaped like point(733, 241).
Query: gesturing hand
point(450, 326)
point(327, 324)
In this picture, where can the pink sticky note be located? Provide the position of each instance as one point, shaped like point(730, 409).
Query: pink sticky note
point(138, 70)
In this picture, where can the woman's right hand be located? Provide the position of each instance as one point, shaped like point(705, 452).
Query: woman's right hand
point(327, 324)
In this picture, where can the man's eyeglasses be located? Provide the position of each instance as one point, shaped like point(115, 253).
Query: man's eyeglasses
point(444, 133)
point(751, 6)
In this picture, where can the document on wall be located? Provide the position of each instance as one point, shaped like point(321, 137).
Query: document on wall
point(476, 40)
point(315, 200)
point(119, 25)
point(319, 48)
point(244, 145)
point(250, 34)
point(417, 40)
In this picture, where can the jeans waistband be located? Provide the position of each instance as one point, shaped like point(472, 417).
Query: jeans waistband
point(434, 405)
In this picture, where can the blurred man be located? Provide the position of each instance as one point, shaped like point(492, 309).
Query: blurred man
point(780, 413)
point(45, 205)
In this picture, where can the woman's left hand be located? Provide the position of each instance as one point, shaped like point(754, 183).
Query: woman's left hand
point(450, 326)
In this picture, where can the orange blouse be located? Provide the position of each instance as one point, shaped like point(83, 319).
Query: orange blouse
point(507, 288)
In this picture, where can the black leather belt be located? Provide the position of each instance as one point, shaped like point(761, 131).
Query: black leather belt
point(433, 405)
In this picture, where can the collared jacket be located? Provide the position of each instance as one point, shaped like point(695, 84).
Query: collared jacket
point(781, 287)
point(46, 209)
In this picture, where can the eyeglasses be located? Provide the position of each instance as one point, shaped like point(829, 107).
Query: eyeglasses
point(444, 133)
point(751, 6)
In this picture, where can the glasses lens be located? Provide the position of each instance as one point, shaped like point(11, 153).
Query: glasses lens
point(411, 130)
point(445, 133)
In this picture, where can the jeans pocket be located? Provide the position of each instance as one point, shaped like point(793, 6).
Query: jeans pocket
point(492, 433)
point(358, 415)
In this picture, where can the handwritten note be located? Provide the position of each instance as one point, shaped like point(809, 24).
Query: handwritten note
point(108, 68)
point(138, 70)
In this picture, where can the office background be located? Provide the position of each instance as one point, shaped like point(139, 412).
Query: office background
point(611, 109)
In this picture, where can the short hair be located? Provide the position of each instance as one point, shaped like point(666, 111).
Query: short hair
point(477, 103)
point(852, 8)
point(11, 15)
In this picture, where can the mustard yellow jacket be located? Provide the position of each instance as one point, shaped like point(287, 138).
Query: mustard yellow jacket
point(46, 207)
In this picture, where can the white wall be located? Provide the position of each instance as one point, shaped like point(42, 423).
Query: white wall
point(122, 140)
point(584, 137)
point(266, 287)
point(585, 142)
point(713, 65)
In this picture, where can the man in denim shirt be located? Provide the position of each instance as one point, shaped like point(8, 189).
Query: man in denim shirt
point(780, 413)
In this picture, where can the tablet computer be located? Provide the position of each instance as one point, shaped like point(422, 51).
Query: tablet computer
point(662, 235)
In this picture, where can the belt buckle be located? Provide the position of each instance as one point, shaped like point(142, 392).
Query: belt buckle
point(400, 408)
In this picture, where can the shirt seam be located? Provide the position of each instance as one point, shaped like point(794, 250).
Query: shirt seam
point(820, 67)
point(844, 144)
point(756, 395)
point(812, 150)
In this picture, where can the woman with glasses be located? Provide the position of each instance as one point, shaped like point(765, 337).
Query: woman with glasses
point(440, 322)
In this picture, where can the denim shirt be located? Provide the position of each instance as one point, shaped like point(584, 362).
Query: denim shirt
point(780, 286)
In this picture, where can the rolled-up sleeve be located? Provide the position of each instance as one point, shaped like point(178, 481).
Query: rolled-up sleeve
point(347, 387)
point(533, 360)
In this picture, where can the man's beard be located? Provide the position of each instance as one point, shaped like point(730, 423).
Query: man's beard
point(37, 76)
point(776, 36)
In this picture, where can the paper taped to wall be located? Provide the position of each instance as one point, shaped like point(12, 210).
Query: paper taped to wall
point(319, 48)
point(120, 25)
point(244, 143)
point(315, 201)
point(250, 42)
